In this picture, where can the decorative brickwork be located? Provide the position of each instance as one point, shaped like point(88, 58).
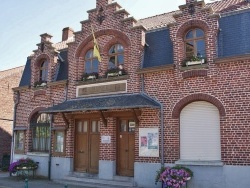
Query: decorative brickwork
point(223, 82)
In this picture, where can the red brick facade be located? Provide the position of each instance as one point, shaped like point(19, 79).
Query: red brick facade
point(8, 80)
point(223, 82)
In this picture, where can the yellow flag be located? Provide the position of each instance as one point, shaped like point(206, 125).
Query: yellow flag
point(96, 47)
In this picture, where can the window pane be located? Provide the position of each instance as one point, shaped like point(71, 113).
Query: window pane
point(89, 54)
point(95, 66)
point(189, 49)
point(123, 126)
point(120, 59)
point(85, 126)
point(201, 52)
point(19, 140)
point(94, 126)
point(43, 118)
point(79, 127)
point(88, 67)
point(59, 142)
point(119, 48)
point(112, 50)
point(189, 35)
point(98, 126)
point(111, 62)
point(199, 33)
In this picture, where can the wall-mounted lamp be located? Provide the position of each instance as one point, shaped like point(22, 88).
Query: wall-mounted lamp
point(100, 15)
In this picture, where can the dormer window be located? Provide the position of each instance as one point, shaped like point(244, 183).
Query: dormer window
point(195, 44)
point(91, 63)
point(44, 71)
point(116, 56)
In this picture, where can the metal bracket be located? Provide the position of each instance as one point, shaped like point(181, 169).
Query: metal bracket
point(135, 117)
point(65, 120)
point(103, 119)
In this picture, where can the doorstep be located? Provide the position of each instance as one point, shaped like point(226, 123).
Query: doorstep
point(93, 181)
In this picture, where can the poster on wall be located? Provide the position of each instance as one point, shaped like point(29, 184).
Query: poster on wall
point(148, 142)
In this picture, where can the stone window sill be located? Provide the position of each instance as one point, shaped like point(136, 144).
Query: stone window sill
point(202, 66)
point(40, 154)
point(199, 163)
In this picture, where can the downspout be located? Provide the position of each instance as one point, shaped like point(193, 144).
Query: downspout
point(161, 115)
point(13, 126)
point(51, 118)
point(50, 153)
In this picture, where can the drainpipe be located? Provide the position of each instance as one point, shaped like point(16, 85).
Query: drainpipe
point(13, 126)
point(161, 119)
point(66, 90)
point(49, 162)
point(51, 122)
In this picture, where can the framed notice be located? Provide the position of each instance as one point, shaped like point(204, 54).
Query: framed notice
point(105, 139)
point(148, 142)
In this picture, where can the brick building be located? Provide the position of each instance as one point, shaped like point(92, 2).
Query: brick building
point(170, 89)
point(8, 79)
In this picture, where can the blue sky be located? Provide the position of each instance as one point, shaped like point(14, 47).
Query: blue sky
point(22, 22)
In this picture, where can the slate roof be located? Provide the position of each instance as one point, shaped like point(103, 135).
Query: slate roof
point(162, 20)
point(62, 69)
point(124, 101)
point(25, 80)
point(159, 49)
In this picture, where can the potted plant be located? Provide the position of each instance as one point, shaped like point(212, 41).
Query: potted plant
point(40, 83)
point(174, 177)
point(194, 60)
point(90, 76)
point(115, 71)
point(22, 164)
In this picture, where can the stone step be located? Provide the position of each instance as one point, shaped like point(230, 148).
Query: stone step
point(94, 181)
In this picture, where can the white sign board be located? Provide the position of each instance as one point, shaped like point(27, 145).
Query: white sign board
point(106, 139)
point(148, 142)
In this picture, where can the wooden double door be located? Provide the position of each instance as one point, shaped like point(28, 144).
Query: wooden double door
point(87, 141)
point(125, 147)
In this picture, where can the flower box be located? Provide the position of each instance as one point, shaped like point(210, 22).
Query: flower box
point(90, 76)
point(188, 63)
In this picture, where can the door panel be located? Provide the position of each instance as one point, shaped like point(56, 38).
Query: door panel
point(126, 148)
point(87, 146)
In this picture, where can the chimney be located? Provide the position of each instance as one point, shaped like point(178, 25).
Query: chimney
point(67, 32)
point(45, 37)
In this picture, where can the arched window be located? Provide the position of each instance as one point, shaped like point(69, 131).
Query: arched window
point(195, 43)
point(40, 126)
point(116, 56)
point(44, 71)
point(91, 63)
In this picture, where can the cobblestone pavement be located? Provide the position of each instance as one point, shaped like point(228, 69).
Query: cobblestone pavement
point(14, 182)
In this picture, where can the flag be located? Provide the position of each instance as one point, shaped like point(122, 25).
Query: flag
point(96, 52)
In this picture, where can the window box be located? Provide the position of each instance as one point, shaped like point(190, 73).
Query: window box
point(90, 76)
point(194, 60)
point(115, 71)
point(199, 62)
point(40, 84)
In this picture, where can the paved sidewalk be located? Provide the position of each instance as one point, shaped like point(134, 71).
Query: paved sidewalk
point(14, 182)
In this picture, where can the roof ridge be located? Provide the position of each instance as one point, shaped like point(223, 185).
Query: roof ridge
point(166, 13)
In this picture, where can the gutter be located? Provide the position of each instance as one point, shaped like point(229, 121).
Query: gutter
point(13, 126)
